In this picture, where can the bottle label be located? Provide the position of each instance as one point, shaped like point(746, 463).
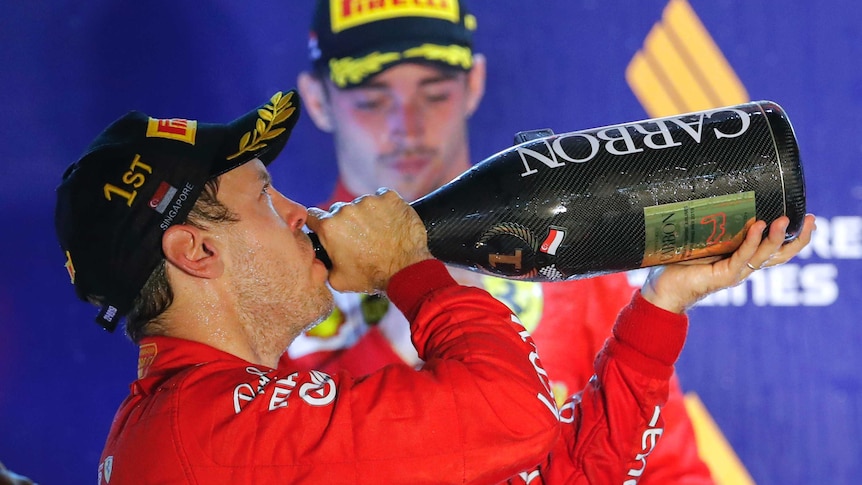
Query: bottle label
point(697, 228)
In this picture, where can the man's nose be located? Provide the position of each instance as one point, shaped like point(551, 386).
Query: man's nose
point(407, 120)
point(294, 213)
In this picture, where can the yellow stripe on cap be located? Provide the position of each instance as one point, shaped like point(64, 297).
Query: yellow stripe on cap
point(352, 71)
point(454, 55)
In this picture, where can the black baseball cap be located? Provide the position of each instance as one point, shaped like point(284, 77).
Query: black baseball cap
point(139, 177)
point(354, 40)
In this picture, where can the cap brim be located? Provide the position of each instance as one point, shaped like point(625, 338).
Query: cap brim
point(262, 133)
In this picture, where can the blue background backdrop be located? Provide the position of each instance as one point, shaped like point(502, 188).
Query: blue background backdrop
point(776, 362)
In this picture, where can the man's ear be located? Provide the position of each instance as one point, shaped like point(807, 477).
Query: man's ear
point(476, 83)
point(192, 251)
point(315, 100)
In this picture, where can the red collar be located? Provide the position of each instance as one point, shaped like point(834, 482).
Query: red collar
point(160, 355)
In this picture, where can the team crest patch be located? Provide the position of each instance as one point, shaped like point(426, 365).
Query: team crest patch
point(146, 356)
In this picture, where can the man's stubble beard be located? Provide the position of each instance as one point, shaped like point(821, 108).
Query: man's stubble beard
point(272, 307)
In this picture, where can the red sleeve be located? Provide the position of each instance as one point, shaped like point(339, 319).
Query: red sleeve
point(612, 426)
point(502, 407)
point(577, 319)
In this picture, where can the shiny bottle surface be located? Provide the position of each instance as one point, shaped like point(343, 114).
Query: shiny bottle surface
point(620, 197)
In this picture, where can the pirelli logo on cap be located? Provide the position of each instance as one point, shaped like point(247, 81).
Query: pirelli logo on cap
point(174, 129)
point(346, 14)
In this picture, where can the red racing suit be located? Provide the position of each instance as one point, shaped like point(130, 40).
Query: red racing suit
point(478, 411)
point(569, 322)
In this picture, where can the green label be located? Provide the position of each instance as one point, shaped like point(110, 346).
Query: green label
point(697, 228)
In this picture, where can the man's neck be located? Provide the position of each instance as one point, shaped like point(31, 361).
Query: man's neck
point(221, 328)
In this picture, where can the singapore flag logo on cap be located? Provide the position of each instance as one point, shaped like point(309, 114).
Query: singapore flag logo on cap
point(553, 241)
point(163, 196)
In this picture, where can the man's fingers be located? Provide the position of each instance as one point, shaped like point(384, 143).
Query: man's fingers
point(787, 251)
point(774, 251)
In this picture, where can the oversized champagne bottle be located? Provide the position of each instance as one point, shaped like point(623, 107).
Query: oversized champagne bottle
point(621, 197)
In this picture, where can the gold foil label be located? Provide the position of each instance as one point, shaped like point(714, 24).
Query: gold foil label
point(698, 228)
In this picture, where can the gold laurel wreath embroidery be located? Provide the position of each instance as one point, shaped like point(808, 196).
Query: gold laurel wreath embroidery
point(277, 111)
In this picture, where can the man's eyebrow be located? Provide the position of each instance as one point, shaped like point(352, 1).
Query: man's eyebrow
point(264, 176)
point(442, 76)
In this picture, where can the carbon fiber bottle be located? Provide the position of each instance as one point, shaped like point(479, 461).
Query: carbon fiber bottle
point(620, 197)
